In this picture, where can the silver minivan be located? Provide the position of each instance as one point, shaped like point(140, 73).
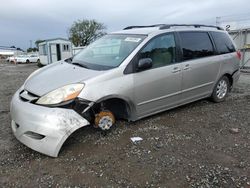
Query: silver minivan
point(129, 74)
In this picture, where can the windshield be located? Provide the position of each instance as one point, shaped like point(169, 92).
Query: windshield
point(107, 52)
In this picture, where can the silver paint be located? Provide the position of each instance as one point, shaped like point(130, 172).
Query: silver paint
point(147, 92)
point(55, 124)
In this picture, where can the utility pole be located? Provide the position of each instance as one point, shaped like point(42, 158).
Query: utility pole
point(218, 20)
point(30, 43)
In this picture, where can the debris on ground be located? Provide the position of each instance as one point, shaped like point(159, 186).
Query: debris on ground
point(136, 139)
point(234, 130)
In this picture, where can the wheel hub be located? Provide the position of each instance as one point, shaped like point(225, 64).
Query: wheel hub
point(221, 89)
point(104, 120)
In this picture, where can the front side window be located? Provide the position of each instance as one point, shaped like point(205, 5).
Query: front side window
point(108, 52)
point(223, 43)
point(161, 50)
point(196, 45)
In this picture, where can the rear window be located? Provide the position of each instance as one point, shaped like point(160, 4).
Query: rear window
point(196, 45)
point(223, 43)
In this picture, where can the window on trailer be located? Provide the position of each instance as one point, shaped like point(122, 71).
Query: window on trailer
point(65, 47)
point(43, 49)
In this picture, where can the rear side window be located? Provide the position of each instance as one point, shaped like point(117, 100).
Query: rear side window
point(223, 43)
point(196, 45)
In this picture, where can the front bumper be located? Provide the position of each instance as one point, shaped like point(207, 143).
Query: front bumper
point(43, 129)
point(20, 61)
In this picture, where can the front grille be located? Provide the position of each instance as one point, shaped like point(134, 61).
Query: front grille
point(27, 96)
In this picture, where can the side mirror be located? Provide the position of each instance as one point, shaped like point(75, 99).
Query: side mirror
point(143, 64)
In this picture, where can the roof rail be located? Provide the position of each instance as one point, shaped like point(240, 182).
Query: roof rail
point(143, 26)
point(168, 26)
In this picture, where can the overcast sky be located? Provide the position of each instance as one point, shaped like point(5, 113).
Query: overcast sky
point(25, 20)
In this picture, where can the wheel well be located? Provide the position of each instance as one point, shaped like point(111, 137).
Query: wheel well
point(119, 107)
point(230, 78)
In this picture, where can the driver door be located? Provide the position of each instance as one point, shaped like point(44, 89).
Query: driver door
point(159, 87)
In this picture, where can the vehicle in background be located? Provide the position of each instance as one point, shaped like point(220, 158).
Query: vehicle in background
point(32, 58)
point(11, 59)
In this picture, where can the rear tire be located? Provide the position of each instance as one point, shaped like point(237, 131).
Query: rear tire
point(221, 89)
point(27, 61)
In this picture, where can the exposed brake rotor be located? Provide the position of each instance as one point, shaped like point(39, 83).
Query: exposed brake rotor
point(104, 120)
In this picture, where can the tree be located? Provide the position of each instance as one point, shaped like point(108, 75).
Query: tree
point(32, 50)
point(83, 32)
point(20, 49)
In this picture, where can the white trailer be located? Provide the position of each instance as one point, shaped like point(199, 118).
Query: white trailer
point(53, 50)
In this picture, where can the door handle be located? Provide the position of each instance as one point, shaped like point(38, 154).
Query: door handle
point(186, 67)
point(176, 69)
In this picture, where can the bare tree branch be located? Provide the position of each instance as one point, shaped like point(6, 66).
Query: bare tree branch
point(83, 32)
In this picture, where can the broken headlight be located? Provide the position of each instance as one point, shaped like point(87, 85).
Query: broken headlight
point(60, 95)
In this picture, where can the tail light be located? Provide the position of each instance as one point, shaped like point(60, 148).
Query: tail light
point(238, 54)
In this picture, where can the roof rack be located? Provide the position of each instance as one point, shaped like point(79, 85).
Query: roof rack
point(168, 26)
point(143, 26)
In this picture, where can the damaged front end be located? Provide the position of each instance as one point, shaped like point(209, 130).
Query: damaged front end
point(83, 107)
point(45, 129)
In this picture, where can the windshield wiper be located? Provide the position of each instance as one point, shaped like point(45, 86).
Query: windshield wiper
point(80, 65)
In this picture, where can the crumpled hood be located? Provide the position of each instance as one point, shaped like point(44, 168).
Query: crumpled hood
point(57, 75)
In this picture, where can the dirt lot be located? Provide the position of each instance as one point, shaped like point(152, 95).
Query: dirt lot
point(197, 145)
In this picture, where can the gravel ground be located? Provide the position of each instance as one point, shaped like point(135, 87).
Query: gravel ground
point(202, 144)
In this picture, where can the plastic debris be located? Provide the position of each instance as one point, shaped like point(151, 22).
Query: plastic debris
point(136, 139)
point(234, 130)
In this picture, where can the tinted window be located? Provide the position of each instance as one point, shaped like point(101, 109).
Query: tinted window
point(161, 50)
point(223, 43)
point(196, 45)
